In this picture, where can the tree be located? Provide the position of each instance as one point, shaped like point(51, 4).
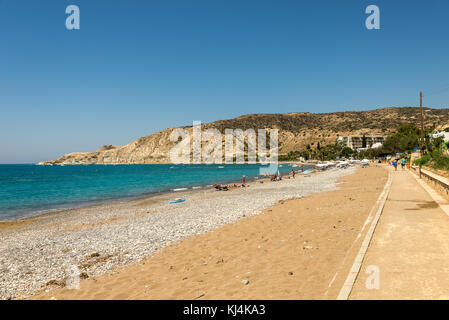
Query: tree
point(363, 141)
point(346, 152)
point(404, 140)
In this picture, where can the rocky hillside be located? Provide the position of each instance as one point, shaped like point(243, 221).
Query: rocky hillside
point(296, 131)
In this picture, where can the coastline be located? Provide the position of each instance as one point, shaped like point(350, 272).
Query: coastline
point(50, 209)
point(35, 215)
point(301, 248)
point(100, 238)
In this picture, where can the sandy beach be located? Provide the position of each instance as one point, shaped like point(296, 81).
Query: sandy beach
point(251, 243)
point(35, 253)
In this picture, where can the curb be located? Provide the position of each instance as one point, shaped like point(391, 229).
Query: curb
point(355, 269)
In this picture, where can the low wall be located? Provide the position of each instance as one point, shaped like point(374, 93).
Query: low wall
point(437, 182)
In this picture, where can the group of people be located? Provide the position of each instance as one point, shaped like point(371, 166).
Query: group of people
point(276, 177)
point(225, 187)
point(221, 187)
point(401, 161)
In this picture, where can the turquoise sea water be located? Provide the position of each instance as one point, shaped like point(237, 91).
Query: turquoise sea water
point(30, 189)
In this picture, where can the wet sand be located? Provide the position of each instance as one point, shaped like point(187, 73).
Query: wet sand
point(297, 249)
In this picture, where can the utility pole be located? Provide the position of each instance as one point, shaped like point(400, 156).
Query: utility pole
point(422, 122)
point(422, 130)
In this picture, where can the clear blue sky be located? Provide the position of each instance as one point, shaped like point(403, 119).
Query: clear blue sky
point(137, 67)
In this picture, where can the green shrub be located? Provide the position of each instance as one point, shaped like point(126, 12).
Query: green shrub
point(422, 161)
point(435, 154)
point(441, 162)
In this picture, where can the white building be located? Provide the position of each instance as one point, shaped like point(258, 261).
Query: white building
point(356, 142)
point(442, 134)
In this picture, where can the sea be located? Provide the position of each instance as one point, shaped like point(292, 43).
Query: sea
point(29, 190)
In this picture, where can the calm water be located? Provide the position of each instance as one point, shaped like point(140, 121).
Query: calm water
point(29, 189)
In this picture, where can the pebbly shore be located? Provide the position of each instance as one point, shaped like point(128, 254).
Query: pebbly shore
point(36, 254)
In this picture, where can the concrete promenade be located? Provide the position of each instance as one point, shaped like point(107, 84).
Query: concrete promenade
point(409, 251)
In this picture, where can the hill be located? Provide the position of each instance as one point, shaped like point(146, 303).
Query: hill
point(296, 132)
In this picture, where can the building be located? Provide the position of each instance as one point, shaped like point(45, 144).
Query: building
point(444, 135)
point(356, 142)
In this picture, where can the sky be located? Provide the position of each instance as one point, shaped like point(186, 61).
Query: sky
point(138, 67)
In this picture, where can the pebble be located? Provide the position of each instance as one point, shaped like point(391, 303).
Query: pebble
point(43, 251)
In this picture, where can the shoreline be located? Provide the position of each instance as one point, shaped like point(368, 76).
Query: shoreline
point(100, 204)
point(101, 238)
point(301, 248)
point(96, 203)
point(26, 214)
point(130, 164)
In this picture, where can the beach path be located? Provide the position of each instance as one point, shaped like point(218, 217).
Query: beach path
point(409, 252)
point(298, 249)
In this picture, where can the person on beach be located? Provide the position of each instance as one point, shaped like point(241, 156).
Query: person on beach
point(243, 181)
point(403, 163)
point(395, 165)
point(293, 173)
point(221, 187)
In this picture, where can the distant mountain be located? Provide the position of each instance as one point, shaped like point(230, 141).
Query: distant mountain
point(296, 131)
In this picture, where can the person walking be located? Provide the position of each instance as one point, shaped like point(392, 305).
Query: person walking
point(403, 163)
point(395, 165)
point(293, 173)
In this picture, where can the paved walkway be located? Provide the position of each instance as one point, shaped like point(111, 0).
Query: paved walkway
point(410, 246)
